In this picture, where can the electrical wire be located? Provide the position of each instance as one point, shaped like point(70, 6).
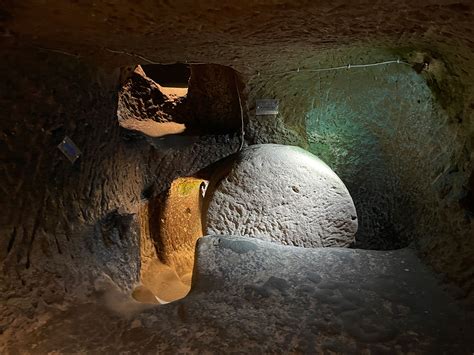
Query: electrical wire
point(297, 70)
point(148, 60)
point(242, 128)
point(347, 66)
point(57, 51)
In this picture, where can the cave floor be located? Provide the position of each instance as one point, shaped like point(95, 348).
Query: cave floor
point(251, 296)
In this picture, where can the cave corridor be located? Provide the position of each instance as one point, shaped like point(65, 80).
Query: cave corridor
point(265, 176)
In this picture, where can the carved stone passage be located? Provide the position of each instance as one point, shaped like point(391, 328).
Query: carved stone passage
point(143, 106)
point(282, 194)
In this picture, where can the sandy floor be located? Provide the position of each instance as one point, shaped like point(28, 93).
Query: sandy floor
point(152, 128)
point(174, 92)
point(163, 282)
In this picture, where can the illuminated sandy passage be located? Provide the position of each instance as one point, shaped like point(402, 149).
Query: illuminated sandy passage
point(168, 276)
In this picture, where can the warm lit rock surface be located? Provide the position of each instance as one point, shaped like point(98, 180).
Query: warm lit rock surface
point(62, 223)
point(251, 296)
point(282, 194)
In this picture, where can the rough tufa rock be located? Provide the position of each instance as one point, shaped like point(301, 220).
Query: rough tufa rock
point(282, 194)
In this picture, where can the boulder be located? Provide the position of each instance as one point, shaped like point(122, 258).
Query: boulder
point(282, 194)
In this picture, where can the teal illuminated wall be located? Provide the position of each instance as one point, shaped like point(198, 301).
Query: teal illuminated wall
point(383, 131)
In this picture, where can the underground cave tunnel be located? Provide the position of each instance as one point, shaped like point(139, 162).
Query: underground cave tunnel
point(253, 177)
